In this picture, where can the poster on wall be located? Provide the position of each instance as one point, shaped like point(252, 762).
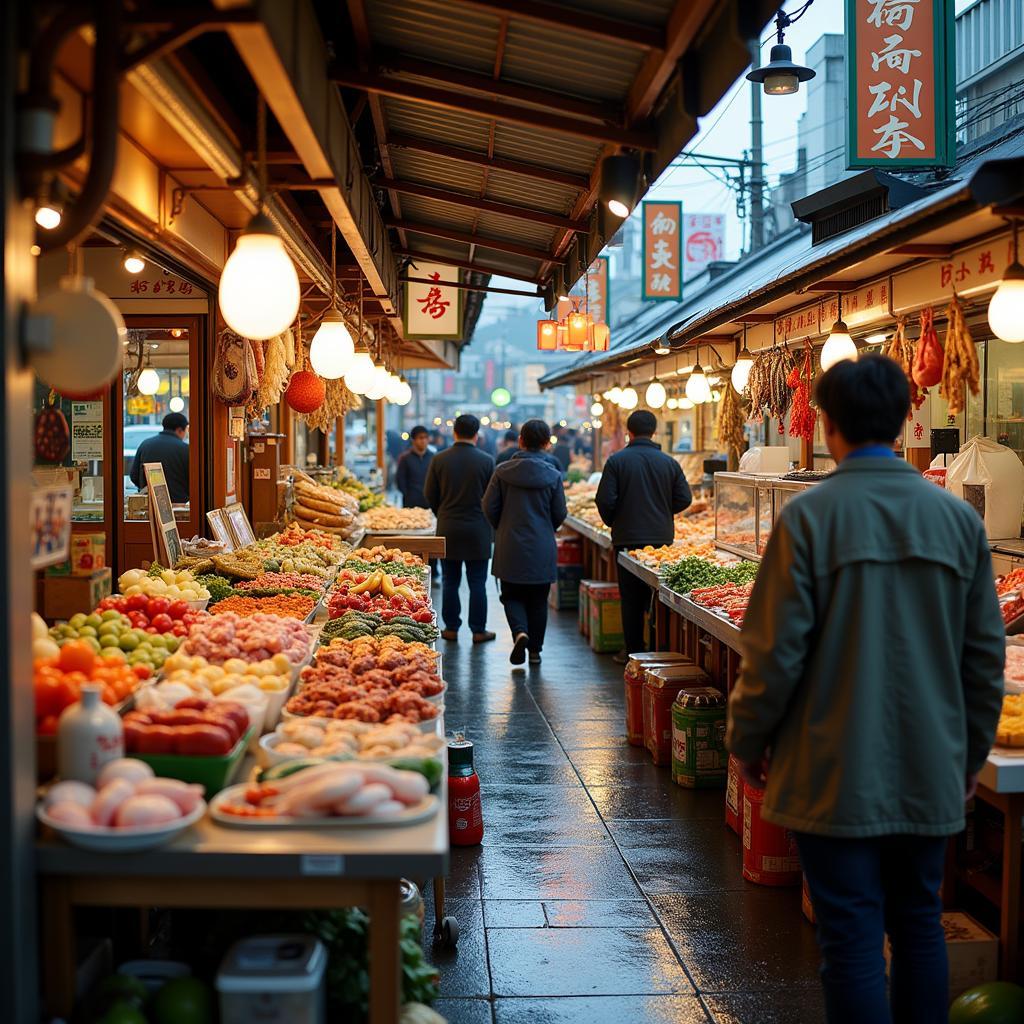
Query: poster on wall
point(49, 514)
point(164, 527)
point(663, 269)
point(703, 242)
point(900, 66)
point(86, 431)
point(433, 308)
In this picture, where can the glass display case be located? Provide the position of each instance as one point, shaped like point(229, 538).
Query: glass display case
point(784, 490)
point(737, 518)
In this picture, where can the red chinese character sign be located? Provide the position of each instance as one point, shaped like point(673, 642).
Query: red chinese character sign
point(900, 61)
point(433, 308)
point(703, 242)
point(663, 265)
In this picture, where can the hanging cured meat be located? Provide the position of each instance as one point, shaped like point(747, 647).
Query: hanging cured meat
point(961, 369)
point(928, 358)
point(729, 427)
point(901, 350)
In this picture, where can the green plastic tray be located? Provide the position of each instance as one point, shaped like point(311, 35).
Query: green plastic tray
point(212, 772)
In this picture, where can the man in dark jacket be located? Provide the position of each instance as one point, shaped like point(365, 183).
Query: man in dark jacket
point(562, 453)
point(455, 485)
point(513, 450)
point(171, 450)
point(411, 474)
point(525, 503)
point(872, 677)
point(641, 490)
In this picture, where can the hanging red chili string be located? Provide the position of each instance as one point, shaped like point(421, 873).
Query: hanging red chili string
point(803, 418)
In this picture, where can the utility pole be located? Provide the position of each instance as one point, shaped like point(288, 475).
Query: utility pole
point(756, 156)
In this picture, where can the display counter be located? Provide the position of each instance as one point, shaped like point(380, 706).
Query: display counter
point(598, 554)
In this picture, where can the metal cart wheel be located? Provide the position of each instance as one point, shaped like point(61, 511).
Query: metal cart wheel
point(450, 932)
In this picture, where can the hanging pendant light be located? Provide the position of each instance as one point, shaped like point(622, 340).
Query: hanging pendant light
point(744, 362)
point(629, 399)
point(403, 393)
point(149, 380)
point(655, 395)
point(614, 395)
point(781, 77)
point(620, 178)
point(1006, 307)
point(547, 335)
point(259, 288)
point(698, 390)
point(672, 403)
point(360, 374)
point(838, 345)
point(597, 409)
point(332, 348)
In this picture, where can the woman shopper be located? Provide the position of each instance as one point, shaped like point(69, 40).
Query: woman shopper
point(525, 503)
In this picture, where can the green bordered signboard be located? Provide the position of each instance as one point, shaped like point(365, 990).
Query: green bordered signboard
point(900, 67)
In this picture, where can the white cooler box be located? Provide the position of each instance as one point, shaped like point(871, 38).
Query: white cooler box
point(274, 979)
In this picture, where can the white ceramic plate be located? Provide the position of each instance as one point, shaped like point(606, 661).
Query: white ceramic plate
point(122, 840)
point(423, 811)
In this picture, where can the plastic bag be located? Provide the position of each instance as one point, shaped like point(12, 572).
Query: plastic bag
point(984, 461)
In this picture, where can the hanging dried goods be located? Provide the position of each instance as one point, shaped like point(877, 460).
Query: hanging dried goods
point(901, 350)
point(767, 386)
point(729, 428)
point(804, 418)
point(337, 401)
point(234, 369)
point(928, 358)
point(961, 366)
point(757, 386)
point(52, 436)
point(275, 373)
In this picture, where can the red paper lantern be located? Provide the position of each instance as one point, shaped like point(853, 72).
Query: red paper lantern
point(306, 391)
point(547, 335)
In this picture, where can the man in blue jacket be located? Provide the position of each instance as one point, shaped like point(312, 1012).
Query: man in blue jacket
point(170, 449)
point(525, 503)
point(411, 474)
point(640, 492)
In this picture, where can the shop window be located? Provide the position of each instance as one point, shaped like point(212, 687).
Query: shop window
point(1003, 395)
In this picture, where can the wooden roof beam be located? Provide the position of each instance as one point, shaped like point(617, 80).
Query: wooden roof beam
point(534, 216)
point(468, 238)
point(578, 22)
point(925, 249)
point(415, 92)
point(399, 140)
point(390, 63)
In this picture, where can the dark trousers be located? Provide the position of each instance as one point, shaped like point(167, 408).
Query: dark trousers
point(863, 889)
point(636, 600)
point(526, 608)
point(451, 605)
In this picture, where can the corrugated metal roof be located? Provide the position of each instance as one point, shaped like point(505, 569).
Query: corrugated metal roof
point(442, 215)
point(451, 126)
point(437, 171)
point(540, 236)
point(514, 188)
point(547, 147)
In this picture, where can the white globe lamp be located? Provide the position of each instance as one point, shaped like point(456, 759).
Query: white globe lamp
point(838, 346)
point(332, 348)
point(360, 374)
point(655, 395)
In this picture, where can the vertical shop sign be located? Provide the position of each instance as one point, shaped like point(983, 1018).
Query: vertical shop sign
point(703, 242)
point(433, 309)
point(901, 64)
point(598, 297)
point(663, 269)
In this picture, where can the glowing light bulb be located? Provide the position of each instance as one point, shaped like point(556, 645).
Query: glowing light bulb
point(597, 409)
point(332, 349)
point(838, 346)
point(698, 390)
point(1006, 307)
point(741, 371)
point(629, 399)
point(149, 381)
point(361, 373)
point(655, 395)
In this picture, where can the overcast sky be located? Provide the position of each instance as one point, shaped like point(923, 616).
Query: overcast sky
point(726, 132)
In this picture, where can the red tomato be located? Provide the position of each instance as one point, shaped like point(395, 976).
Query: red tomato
point(162, 622)
point(76, 656)
point(45, 690)
point(136, 603)
point(142, 671)
point(203, 740)
point(139, 620)
point(48, 726)
point(154, 739)
point(106, 603)
point(157, 606)
point(180, 629)
point(178, 610)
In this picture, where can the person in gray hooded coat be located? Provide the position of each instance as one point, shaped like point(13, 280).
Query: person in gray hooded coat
point(525, 503)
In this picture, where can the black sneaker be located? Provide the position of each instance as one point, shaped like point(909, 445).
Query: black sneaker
point(620, 658)
point(534, 657)
point(518, 655)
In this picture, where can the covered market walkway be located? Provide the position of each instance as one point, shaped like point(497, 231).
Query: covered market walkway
point(599, 877)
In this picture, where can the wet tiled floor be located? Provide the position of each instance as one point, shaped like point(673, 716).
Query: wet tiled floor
point(602, 892)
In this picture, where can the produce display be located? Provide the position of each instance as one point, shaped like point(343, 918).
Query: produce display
point(151, 614)
point(693, 573)
point(294, 605)
point(250, 638)
point(294, 535)
point(348, 483)
point(381, 556)
point(1014, 671)
point(728, 599)
point(334, 789)
point(171, 583)
point(1010, 730)
point(325, 508)
point(127, 796)
point(273, 675)
point(1011, 583)
point(402, 605)
point(354, 624)
point(115, 638)
point(387, 518)
point(57, 682)
point(194, 727)
point(284, 582)
point(348, 738)
point(378, 581)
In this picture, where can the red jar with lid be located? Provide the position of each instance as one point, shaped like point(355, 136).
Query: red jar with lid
point(465, 811)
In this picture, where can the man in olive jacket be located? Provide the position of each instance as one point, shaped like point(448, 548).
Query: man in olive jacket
point(869, 692)
point(455, 485)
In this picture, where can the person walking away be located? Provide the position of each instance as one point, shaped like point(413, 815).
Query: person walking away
point(868, 696)
point(509, 447)
point(525, 503)
point(562, 453)
point(640, 492)
point(411, 475)
point(514, 449)
point(171, 450)
point(454, 489)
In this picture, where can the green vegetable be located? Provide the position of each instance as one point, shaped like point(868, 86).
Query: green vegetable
point(286, 768)
point(155, 568)
point(695, 572)
point(428, 767)
point(218, 586)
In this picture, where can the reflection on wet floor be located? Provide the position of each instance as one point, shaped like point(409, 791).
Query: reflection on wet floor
point(602, 892)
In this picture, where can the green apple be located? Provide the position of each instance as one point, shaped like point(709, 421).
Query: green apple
point(87, 631)
point(94, 620)
point(77, 620)
point(128, 641)
point(111, 615)
point(108, 640)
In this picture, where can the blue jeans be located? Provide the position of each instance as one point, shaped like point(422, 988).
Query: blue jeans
point(451, 606)
point(862, 889)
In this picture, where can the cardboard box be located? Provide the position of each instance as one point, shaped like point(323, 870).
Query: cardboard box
point(605, 618)
point(565, 592)
point(88, 553)
point(973, 952)
point(64, 596)
point(584, 607)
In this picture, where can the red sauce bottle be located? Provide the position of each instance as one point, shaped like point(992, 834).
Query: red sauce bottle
point(465, 813)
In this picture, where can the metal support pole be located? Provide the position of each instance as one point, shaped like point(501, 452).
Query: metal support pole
point(756, 156)
point(381, 405)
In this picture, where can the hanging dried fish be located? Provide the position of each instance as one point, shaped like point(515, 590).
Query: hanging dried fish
point(961, 365)
point(780, 396)
point(901, 350)
point(729, 427)
point(758, 390)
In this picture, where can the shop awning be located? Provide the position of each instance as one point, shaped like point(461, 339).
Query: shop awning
point(948, 215)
